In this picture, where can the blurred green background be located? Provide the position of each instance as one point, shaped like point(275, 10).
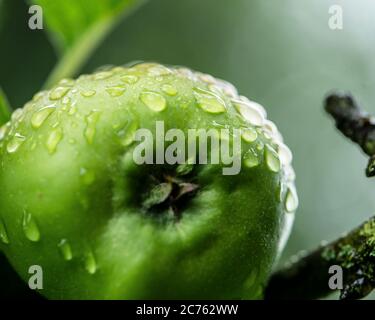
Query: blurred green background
point(279, 53)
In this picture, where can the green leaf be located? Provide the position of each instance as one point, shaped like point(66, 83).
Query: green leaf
point(5, 110)
point(77, 27)
point(2, 12)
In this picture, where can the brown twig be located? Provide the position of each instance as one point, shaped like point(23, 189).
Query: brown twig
point(354, 123)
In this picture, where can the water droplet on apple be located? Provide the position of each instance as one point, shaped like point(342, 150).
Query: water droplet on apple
point(91, 121)
point(15, 142)
point(271, 128)
point(67, 82)
point(158, 70)
point(17, 115)
point(58, 92)
point(129, 79)
point(3, 233)
point(169, 89)
point(226, 87)
point(291, 200)
point(187, 73)
point(38, 96)
point(72, 110)
point(285, 154)
point(38, 118)
point(90, 262)
point(65, 249)
point(249, 111)
point(115, 91)
point(279, 191)
point(65, 103)
point(272, 159)
point(154, 101)
point(251, 159)
point(266, 134)
point(30, 227)
point(118, 69)
point(260, 145)
point(209, 101)
point(207, 78)
point(88, 93)
point(249, 134)
point(127, 135)
point(53, 140)
point(259, 107)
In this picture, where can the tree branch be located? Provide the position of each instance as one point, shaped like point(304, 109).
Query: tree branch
point(307, 276)
point(355, 123)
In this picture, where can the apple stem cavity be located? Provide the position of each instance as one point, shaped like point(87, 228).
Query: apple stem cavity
point(168, 196)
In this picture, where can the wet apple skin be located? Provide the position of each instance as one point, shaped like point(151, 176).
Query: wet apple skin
point(81, 189)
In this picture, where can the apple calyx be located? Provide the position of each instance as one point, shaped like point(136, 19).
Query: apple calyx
point(170, 195)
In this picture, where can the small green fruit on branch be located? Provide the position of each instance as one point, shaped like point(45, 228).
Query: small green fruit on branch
point(308, 275)
point(307, 278)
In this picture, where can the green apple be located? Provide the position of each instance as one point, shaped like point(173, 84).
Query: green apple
point(99, 225)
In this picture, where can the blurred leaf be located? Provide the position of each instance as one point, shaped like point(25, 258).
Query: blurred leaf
point(77, 27)
point(3, 13)
point(68, 20)
point(4, 108)
point(26, 57)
